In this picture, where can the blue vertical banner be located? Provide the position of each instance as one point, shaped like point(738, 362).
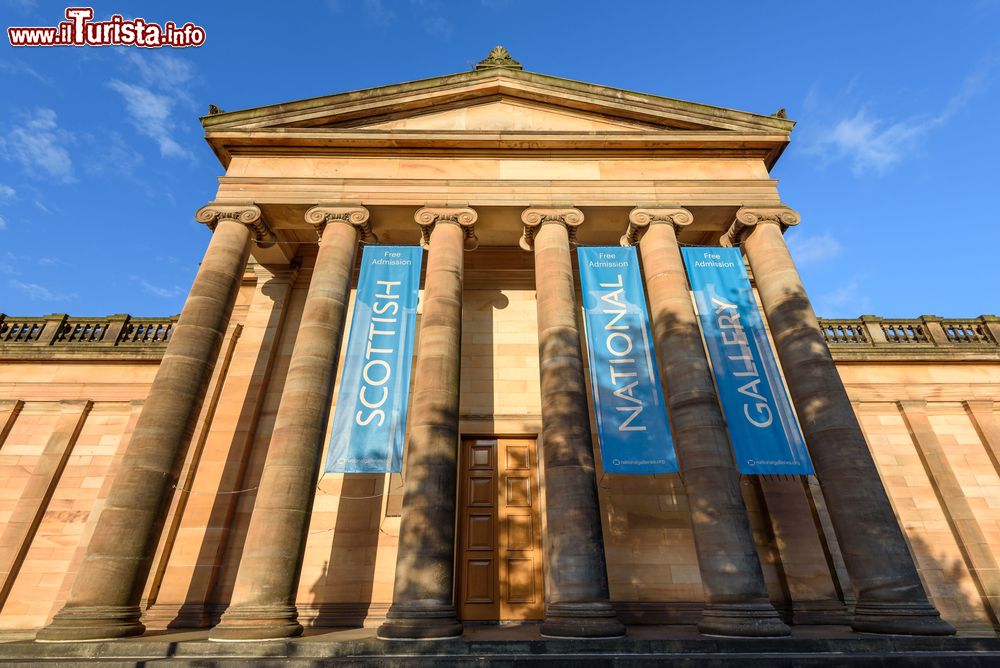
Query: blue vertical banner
point(632, 423)
point(762, 425)
point(370, 421)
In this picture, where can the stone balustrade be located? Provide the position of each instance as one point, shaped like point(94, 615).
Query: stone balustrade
point(921, 336)
point(59, 334)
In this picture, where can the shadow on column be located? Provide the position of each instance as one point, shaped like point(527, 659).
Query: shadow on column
point(197, 610)
point(342, 595)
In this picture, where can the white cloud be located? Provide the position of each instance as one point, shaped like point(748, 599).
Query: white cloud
point(150, 114)
point(14, 66)
point(161, 69)
point(39, 144)
point(438, 26)
point(813, 250)
point(36, 292)
point(6, 192)
point(163, 81)
point(847, 300)
point(3, 223)
point(23, 5)
point(874, 143)
point(166, 293)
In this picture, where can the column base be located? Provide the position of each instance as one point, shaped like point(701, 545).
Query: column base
point(92, 623)
point(257, 622)
point(909, 619)
point(581, 620)
point(742, 620)
point(420, 622)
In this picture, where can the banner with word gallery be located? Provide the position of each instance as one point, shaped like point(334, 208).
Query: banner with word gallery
point(761, 421)
point(370, 421)
point(632, 424)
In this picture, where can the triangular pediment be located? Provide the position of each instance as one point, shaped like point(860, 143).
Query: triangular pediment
point(496, 100)
point(498, 109)
point(509, 115)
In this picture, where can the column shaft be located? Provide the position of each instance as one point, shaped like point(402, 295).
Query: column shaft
point(578, 604)
point(104, 602)
point(263, 603)
point(423, 596)
point(735, 593)
point(891, 598)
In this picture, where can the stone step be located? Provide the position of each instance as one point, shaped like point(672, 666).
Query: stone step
point(851, 650)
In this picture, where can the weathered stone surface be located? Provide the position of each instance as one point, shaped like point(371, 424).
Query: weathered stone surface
point(891, 598)
point(735, 594)
point(263, 603)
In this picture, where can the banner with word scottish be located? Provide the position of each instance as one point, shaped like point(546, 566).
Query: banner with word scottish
point(370, 420)
point(632, 421)
point(761, 421)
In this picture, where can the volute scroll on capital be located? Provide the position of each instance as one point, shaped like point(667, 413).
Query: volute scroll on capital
point(322, 215)
point(748, 218)
point(246, 213)
point(640, 218)
point(429, 216)
point(534, 217)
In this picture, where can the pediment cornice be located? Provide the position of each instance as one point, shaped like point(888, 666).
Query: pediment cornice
point(622, 118)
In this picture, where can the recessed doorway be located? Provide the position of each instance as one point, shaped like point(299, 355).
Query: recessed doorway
point(500, 532)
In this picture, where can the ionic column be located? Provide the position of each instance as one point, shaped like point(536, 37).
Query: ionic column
point(263, 603)
point(423, 596)
point(578, 605)
point(104, 602)
point(736, 599)
point(891, 598)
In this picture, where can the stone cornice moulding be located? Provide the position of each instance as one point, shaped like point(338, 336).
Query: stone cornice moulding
point(748, 218)
point(640, 218)
point(429, 216)
point(325, 213)
point(473, 85)
point(246, 213)
point(535, 217)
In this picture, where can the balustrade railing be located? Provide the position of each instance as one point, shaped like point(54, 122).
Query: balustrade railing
point(64, 332)
point(20, 330)
point(967, 331)
point(925, 332)
point(123, 331)
point(843, 331)
point(149, 331)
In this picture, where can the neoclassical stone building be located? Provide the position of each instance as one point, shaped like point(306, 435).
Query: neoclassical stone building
point(165, 473)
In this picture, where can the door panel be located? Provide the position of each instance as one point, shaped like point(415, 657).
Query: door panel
point(500, 563)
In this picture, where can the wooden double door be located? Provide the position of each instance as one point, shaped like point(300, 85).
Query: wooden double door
point(500, 532)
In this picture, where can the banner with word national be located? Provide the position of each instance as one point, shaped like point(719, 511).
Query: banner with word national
point(761, 421)
point(370, 422)
point(632, 424)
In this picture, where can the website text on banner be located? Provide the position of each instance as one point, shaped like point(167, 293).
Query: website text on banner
point(370, 421)
point(762, 426)
point(632, 421)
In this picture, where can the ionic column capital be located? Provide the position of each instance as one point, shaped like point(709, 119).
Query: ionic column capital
point(747, 219)
point(246, 213)
point(429, 216)
point(324, 214)
point(640, 218)
point(534, 217)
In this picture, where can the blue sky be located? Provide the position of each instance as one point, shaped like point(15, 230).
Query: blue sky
point(102, 161)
